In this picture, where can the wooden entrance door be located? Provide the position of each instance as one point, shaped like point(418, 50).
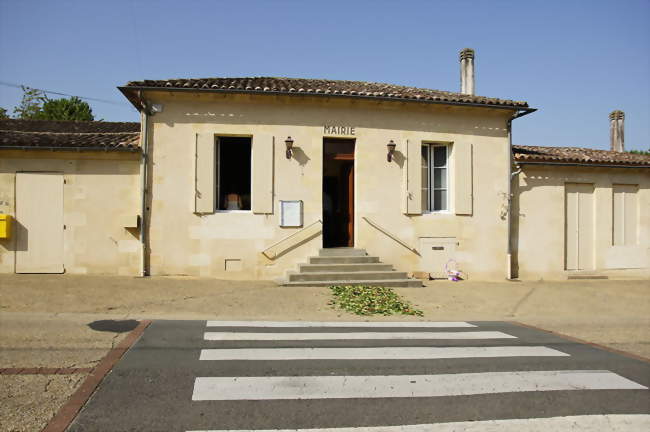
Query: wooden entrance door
point(39, 222)
point(579, 226)
point(350, 201)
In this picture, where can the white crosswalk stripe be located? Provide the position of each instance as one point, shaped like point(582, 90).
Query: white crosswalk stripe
point(280, 342)
point(382, 353)
point(593, 423)
point(352, 324)
point(400, 386)
point(244, 336)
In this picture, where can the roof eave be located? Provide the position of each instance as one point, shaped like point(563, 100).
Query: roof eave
point(582, 164)
point(75, 149)
point(138, 103)
point(132, 97)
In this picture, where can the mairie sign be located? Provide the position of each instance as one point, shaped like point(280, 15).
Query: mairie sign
point(338, 130)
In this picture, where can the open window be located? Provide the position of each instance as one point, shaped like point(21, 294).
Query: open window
point(233, 173)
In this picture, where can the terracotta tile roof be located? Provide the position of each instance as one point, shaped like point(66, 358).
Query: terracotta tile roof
point(64, 135)
point(359, 89)
point(577, 155)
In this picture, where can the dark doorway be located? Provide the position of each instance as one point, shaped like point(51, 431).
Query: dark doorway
point(234, 173)
point(338, 192)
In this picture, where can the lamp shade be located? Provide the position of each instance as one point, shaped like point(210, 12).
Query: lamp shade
point(289, 144)
point(391, 149)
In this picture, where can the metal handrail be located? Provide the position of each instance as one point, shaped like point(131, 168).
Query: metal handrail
point(289, 237)
point(392, 236)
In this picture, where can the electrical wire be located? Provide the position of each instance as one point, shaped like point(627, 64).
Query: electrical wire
point(112, 102)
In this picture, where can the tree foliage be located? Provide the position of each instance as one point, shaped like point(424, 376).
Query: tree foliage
point(3, 113)
point(73, 109)
point(31, 105)
point(35, 105)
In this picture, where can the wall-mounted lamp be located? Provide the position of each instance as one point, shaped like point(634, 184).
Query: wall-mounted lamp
point(391, 149)
point(289, 143)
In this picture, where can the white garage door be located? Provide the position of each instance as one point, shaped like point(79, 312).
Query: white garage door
point(579, 226)
point(39, 217)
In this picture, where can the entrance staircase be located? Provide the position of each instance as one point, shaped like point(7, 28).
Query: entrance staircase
point(347, 266)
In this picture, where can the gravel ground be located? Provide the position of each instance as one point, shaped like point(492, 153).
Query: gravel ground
point(27, 402)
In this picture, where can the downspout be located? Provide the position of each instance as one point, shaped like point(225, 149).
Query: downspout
point(511, 176)
point(144, 229)
point(509, 202)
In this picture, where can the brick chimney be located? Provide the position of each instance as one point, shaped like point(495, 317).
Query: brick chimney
point(467, 71)
point(616, 131)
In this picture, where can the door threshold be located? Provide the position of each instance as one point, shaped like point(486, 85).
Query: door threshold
point(582, 276)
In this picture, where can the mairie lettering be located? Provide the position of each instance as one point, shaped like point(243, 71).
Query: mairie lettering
point(339, 130)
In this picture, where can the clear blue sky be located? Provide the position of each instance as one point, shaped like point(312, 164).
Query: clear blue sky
point(574, 60)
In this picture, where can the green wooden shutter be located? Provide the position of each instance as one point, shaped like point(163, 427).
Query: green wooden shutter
point(413, 167)
point(263, 164)
point(205, 174)
point(463, 178)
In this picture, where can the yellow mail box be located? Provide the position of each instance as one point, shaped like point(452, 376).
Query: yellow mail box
point(5, 226)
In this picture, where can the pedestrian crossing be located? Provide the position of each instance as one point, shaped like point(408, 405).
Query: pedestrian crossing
point(298, 374)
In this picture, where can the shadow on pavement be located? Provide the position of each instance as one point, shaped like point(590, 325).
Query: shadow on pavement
point(115, 326)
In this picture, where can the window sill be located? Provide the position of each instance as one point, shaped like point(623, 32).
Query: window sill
point(441, 212)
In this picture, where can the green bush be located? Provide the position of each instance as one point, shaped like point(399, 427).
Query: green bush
point(370, 300)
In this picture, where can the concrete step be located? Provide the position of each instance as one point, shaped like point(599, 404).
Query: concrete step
point(355, 267)
point(394, 283)
point(343, 260)
point(336, 277)
point(342, 251)
point(347, 266)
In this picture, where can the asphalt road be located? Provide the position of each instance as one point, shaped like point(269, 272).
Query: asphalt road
point(410, 377)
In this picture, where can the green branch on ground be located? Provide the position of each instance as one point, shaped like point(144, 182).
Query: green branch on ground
point(370, 300)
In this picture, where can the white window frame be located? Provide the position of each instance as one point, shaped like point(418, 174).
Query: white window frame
point(430, 176)
point(217, 162)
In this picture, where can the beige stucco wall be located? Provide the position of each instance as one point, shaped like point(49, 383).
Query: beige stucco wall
point(539, 216)
point(183, 242)
point(101, 195)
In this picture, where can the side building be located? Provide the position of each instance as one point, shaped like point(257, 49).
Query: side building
point(69, 196)
point(581, 212)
